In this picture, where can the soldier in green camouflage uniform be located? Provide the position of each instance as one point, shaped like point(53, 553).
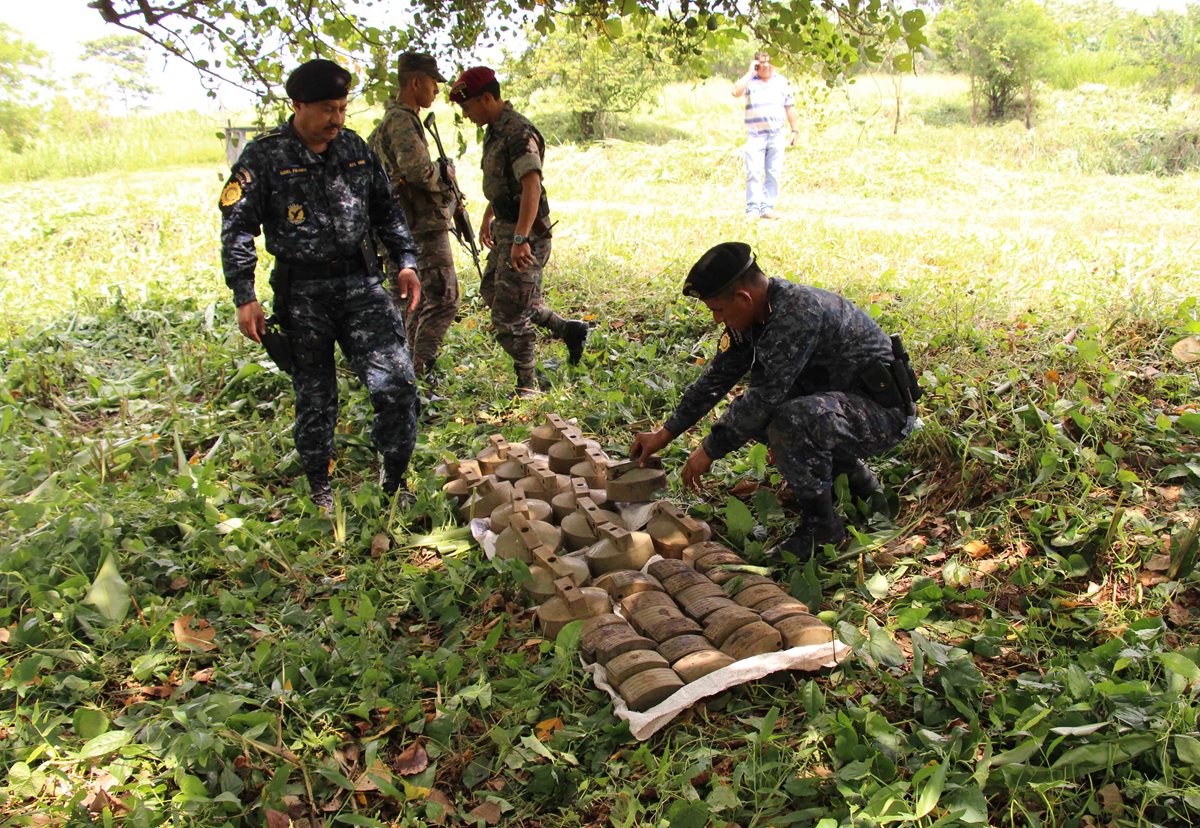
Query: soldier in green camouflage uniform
point(403, 148)
point(822, 392)
point(515, 227)
point(316, 191)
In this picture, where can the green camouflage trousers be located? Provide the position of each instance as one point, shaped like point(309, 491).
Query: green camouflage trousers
point(515, 299)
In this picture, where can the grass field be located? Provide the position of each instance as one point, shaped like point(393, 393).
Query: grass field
point(1025, 632)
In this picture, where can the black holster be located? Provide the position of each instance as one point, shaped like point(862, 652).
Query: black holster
point(892, 384)
point(276, 340)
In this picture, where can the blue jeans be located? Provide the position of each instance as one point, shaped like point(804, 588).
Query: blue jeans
point(764, 169)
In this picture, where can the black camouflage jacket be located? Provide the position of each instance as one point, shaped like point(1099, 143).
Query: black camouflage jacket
point(811, 340)
point(312, 208)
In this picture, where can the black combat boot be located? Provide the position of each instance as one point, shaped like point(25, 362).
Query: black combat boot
point(861, 481)
point(575, 336)
point(821, 526)
point(320, 491)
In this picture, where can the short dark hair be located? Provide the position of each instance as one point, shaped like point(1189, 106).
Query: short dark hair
point(751, 276)
point(406, 77)
point(493, 87)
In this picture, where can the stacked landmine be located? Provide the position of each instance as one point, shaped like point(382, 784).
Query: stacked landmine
point(554, 505)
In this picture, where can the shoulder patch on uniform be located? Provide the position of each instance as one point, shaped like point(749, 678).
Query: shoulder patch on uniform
point(232, 194)
point(244, 176)
point(358, 162)
point(295, 213)
point(724, 344)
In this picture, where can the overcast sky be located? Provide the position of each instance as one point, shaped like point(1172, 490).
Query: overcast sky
point(59, 27)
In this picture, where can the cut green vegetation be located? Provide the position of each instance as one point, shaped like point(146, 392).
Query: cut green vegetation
point(184, 640)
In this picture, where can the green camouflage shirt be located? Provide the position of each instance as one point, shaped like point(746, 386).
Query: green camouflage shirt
point(403, 149)
point(512, 148)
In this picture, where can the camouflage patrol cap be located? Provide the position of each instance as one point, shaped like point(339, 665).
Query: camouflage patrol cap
point(318, 80)
point(471, 83)
point(419, 62)
point(717, 269)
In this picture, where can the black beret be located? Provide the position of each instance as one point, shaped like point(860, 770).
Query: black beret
point(717, 269)
point(318, 80)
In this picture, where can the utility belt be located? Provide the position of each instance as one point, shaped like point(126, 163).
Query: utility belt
point(311, 271)
point(509, 210)
point(892, 384)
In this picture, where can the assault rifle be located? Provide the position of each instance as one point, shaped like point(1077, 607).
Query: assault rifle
point(462, 220)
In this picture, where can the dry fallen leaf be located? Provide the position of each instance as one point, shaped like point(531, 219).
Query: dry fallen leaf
point(443, 800)
point(977, 549)
point(1159, 563)
point(545, 730)
point(412, 760)
point(198, 637)
point(203, 676)
point(1053, 376)
point(278, 819)
point(1110, 798)
point(489, 812)
point(380, 544)
point(1187, 350)
point(179, 583)
point(5, 633)
point(366, 780)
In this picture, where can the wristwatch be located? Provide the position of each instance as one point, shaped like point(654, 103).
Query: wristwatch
point(519, 239)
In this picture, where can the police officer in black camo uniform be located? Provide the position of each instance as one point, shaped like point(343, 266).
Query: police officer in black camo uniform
point(317, 191)
point(822, 393)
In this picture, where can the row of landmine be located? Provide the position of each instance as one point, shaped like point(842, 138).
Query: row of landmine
point(691, 613)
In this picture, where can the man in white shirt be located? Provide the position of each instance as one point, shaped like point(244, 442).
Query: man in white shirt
point(769, 117)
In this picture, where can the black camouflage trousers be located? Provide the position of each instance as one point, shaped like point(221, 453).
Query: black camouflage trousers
point(515, 299)
point(357, 313)
point(815, 436)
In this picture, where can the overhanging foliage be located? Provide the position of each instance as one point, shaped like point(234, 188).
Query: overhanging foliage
point(252, 44)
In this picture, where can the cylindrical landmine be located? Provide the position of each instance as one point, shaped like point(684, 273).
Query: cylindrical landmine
point(568, 451)
point(543, 484)
point(666, 567)
point(618, 548)
point(733, 581)
point(693, 553)
point(546, 570)
point(572, 603)
point(627, 665)
point(700, 664)
point(484, 499)
point(494, 456)
point(468, 479)
point(641, 600)
point(519, 505)
point(753, 596)
point(803, 630)
point(594, 469)
point(625, 582)
point(717, 559)
point(680, 581)
point(672, 531)
point(629, 482)
point(777, 613)
point(648, 688)
point(725, 622)
point(755, 638)
point(698, 591)
point(676, 648)
point(581, 527)
point(612, 641)
point(542, 437)
point(777, 601)
point(587, 645)
point(564, 503)
point(664, 623)
point(522, 535)
point(701, 608)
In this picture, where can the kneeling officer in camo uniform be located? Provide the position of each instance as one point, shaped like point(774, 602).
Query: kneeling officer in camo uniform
point(827, 387)
point(317, 191)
